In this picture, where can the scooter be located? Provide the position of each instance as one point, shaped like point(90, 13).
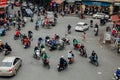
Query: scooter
point(26, 45)
point(76, 47)
point(94, 62)
point(46, 63)
point(83, 53)
point(16, 37)
point(115, 77)
point(118, 51)
point(60, 68)
point(6, 52)
point(36, 55)
point(71, 60)
point(66, 41)
point(69, 31)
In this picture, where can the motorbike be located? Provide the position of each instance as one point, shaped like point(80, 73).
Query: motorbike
point(16, 37)
point(6, 52)
point(115, 77)
point(52, 47)
point(61, 68)
point(118, 51)
point(83, 52)
point(36, 55)
point(66, 41)
point(76, 47)
point(69, 31)
point(27, 45)
point(46, 63)
point(70, 60)
point(94, 62)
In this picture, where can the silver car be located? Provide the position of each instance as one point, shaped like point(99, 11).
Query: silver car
point(100, 15)
point(10, 66)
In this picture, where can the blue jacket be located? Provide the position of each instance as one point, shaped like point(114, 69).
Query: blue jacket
point(117, 72)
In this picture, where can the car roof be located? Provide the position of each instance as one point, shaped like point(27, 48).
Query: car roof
point(9, 59)
point(81, 23)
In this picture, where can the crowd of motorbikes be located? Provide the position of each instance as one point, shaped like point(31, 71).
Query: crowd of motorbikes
point(25, 39)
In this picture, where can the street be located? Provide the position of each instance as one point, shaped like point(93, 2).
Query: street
point(81, 69)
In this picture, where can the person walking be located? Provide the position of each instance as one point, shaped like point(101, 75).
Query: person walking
point(83, 36)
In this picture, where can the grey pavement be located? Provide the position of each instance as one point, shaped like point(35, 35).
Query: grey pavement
point(81, 69)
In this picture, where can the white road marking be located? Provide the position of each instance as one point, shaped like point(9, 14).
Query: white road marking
point(99, 73)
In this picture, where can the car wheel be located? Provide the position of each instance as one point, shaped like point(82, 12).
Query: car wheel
point(15, 72)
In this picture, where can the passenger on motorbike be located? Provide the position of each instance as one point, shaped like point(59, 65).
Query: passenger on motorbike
point(56, 37)
point(70, 57)
point(94, 57)
point(63, 62)
point(118, 73)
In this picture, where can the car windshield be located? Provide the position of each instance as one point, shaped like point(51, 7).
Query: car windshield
point(85, 24)
point(79, 25)
point(6, 64)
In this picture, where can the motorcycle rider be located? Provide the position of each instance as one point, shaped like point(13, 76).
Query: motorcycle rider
point(82, 50)
point(118, 73)
point(17, 33)
point(53, 43)
point(45, 57)
point(69, 28)
point(30, 35)
point(75, 43)
point(63, 62)
point(7, 48)
point(70, 56)
point(36, 48)
point(93, 56)
point(26, 42)
point(39, 41)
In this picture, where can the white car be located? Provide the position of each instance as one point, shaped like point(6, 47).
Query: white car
point(81, 26)
point(10, 66)
point(100, 15)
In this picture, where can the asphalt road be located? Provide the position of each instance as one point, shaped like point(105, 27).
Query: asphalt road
point(81, 69)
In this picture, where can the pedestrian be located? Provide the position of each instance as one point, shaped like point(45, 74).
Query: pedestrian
point(83, 36)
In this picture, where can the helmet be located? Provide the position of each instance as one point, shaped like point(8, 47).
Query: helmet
point(43, 50)
point(62, 56)
point(119, 68)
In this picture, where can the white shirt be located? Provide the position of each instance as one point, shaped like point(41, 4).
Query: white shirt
point(69, 55)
